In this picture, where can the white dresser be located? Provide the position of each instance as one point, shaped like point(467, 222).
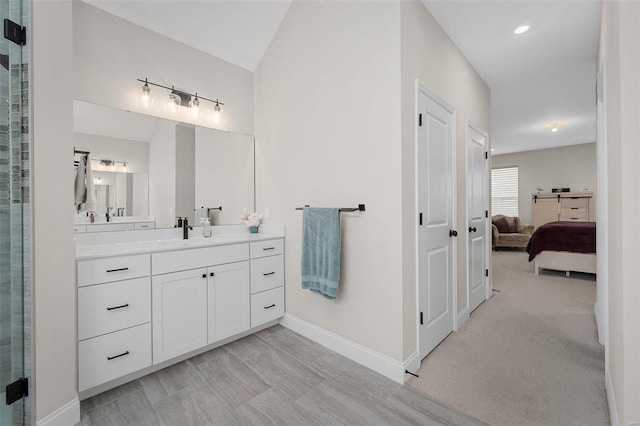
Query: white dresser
point(561, 206)
point(164, 301)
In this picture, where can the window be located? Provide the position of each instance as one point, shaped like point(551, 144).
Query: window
point(504, 191)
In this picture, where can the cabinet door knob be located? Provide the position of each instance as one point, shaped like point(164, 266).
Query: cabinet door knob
point(204, 275)
point(212, 274)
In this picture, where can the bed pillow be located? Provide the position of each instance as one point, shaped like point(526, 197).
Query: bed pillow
point(503, 225)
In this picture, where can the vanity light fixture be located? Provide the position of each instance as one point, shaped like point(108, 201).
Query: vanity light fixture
point(124, 166)
point(145, 95)
point(521, 28)
point(179, 98)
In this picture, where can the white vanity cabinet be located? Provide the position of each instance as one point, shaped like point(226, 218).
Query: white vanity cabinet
point(137, 313)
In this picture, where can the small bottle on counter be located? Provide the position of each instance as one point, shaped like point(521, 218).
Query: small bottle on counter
point(92, 218)
point(206, 227)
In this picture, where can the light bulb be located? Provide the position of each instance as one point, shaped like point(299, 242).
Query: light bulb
point(195, 107)
point(217, 111)
point(521, 29)
point(174, 101)
point(145, 96)
point(113, 166)
point(124, 166)
point(554, 129)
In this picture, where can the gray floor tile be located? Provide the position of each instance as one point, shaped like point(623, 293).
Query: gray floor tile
point(305, 350)
point(207, 356)
point(212, 405)
point(180, 409)
point(273, 407)
point(152, 387)
point(364, 385)
point(413, 403)
point(247, 347)
point(109, 396)
point(284, 371)
point(133, 410)
point(177, 377)
point(231, 379)
point(330, 406)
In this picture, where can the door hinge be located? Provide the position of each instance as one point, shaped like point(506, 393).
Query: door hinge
point(14, 32)
point(420, 119)
point(421, 319)
point(486, 213)
point(486, 272)
point(486, 155)
point(17, 390)
point(420, 219)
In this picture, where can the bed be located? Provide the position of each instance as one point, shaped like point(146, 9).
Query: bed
point(564, 246)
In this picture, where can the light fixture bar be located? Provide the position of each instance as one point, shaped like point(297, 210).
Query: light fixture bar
point(172, 89)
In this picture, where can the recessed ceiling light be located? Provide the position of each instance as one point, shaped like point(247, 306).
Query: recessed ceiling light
point(521, 29)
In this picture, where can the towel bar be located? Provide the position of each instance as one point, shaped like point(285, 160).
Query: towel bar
point(360, 208)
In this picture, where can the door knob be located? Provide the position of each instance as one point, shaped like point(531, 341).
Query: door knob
point(472, 229)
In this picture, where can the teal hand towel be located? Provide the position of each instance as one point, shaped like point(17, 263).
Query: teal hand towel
point(321, 250)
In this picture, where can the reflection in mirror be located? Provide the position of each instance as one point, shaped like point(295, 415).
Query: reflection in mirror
point(172, 169)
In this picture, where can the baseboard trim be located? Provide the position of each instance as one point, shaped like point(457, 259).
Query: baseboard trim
point(611, 399)
point(369, 358)
point(462, 318)
point(68, 414)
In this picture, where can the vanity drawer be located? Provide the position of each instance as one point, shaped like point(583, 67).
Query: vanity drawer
point(267, 273)
point(267, 306)
point(266, 248)
point(575, 214)
point(574, 202)
point(110, 269)
point(182, 260)
point(144, 225)
point(113, 355)
point(115, 306)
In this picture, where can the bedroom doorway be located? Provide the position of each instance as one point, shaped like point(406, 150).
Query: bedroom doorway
point(477, 216)
point(436, 247)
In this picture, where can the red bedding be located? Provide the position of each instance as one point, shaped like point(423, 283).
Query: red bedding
point(576, 237)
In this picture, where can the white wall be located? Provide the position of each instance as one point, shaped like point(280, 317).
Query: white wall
point(135, 153)
point(571, 166)
point(429, 55)
point(111, 53)
point(162, 174)
point(54, 289)
point(620, 37)
point(328, 134)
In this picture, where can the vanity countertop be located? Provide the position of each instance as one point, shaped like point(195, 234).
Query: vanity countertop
point(155, 241)
point(102, 220)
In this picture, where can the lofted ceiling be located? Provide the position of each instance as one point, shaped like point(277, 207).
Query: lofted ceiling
point(238, 31)
point(545, 75)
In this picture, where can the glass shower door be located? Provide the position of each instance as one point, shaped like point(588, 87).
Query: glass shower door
point(14, 220)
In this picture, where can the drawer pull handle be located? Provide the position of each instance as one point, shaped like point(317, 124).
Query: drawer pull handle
point(117, 270)
point(574, 208)
point(575, 218)
point(269, 248)
point(117, 307)
point(109, 358)
point(269, 273)
point(270, 306)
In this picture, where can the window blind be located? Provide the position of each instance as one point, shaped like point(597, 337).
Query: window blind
point(504, 191)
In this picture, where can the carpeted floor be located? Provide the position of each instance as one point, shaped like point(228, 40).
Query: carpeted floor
point(527, 356)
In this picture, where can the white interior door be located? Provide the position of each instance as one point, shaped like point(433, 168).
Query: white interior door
point(435, 186)
point(477, 206)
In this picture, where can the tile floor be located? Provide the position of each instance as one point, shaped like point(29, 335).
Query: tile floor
point(274, 377)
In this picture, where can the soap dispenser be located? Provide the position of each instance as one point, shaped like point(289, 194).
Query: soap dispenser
point(206, 227)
